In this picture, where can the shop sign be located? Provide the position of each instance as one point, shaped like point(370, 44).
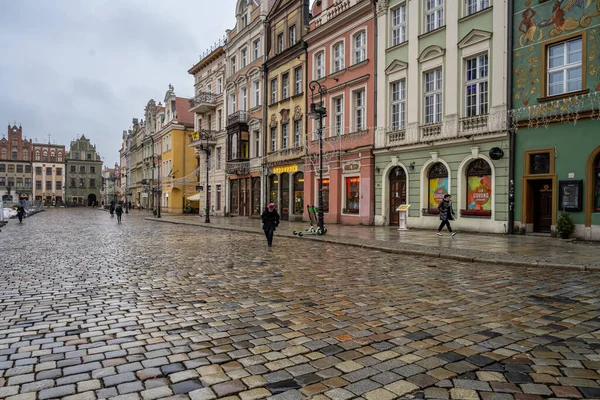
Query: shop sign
point(351, 167)
point(285, 168)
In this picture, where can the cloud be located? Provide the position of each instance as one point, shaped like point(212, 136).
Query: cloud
point(72, 67)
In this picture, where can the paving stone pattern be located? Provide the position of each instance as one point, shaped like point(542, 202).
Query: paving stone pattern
point(90, 310)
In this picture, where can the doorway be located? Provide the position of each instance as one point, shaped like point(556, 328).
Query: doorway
point(542, 206)
point(397, 179)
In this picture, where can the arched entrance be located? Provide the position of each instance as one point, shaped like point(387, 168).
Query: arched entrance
point(397, 178)
point(91, 199)
point(592, 198)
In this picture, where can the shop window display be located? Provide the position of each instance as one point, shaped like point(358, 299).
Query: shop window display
point(352, 203)
point(298, 193)
point(437, 187)
point(479, 188)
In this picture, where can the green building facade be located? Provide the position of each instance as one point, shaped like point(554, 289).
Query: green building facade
point(556, 103)
point(84, 174)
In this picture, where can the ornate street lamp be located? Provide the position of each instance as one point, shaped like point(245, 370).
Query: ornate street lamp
point(319, 112)
point(206, 136)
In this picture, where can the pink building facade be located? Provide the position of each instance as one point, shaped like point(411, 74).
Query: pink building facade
point(341, 57)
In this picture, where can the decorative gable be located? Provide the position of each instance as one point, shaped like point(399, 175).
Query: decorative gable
point(475, 36)
point(396, 66)
point(431, 52)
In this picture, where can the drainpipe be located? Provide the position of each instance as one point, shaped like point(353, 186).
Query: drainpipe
point(265, 120)
point(511, 130)
point(372, 211)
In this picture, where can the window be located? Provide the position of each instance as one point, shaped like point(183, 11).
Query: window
point(280, 43)
point(58, 171)
point(81, 182)
point(92, 183)
point(479, 186)
point(89, 156)
point(231, 103)
point(359, 110)
point(473, 6)
point(60, 156)
point(77, 155)
point(20, 169)
point(285, 85)
point(73, 169)
point(219, 119)
point(218, 156)
point(28, 169)
point(28, 183)
point(539, 163)
point(11, 167)
point(476, 91)
point(256, 96)
point(2, 167)
point(38, 185)
point(2, 181)
point(338, 57)
point(3, 154)
point(25, 155)
point(256, 144)
point(48, 185)
point(82, 169)
point(338, 116)
point(58, 185)
point(273, 138)
point(297, 133)
point(219, 85)
point(274, 91)
point(218, 197)
point(433, 97)
point(256, 49)
point(320, 65)
point(243, 99)
point(285, 135)
point(352, 201)
point(92, 170)
point(438, 185)
point(325, 194)
point(292, 35)
point(73, 184)
point(233, 66)
point(398, 104)
point(399, 25)
point(48, 170)
point(434, 14)
point(52, 156)
point(11, 182)
point(19, 182)
point(37, 156)
point(360, 47)
point(564, 72)
point(297, 80)
point(14, 155)
point(244, 57)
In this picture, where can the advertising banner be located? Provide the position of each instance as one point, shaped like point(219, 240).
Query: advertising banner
point(479, 195)
point(438, 187)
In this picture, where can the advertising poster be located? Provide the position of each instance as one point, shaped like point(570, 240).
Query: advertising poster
point(438, 187)
point(479, 196)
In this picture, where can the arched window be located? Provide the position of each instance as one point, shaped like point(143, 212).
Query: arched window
point(38, 156)
point(299, 193)
point(597, 184)
point(479, 185)
point(60, 156)
point(52, 156)
point(45, 155)
point(437, 185)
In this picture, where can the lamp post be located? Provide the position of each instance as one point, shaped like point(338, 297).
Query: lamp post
point(206, 136)
point(319, 112)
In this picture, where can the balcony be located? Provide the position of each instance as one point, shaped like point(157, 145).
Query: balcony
point(237, 167)
point(474, 125)
point(431, 131)
point(203, 102)
point(204, 137)
point(237, 118)
point(396, 137)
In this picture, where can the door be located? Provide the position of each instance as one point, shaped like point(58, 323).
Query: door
point(542, 206)
point(397, 193)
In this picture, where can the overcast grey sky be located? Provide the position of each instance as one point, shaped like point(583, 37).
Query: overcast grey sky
point(70, 67)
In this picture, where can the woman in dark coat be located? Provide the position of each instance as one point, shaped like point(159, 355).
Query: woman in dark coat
point(270, 220)
point(446, 214)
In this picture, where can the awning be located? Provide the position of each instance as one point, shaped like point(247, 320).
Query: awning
point(195, 197)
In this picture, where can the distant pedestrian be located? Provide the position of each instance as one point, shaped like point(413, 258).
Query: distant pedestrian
point(111, 209)
point(119, 212)
point(20, 213)
point(270, 221)
point(446, 214)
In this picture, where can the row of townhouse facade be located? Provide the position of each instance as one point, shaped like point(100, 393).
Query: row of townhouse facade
point(473, 98)
point(48, 173)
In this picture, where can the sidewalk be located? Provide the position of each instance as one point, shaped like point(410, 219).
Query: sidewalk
point(531, 251)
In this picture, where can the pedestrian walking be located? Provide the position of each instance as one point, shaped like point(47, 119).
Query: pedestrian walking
point(270, 221)
point(446, 214)
point(119, 212)
point(20, 213)
point(111, 208)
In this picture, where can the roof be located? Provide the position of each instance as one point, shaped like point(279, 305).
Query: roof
point(184, 117)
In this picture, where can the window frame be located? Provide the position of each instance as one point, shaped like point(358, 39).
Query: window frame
point(400, 26)
point(285, 85)
point(256, 94)
point(438, 107)
point(359, 49)
point(274, 90)
point(362, 108)
point(280, 42)
point(256, 49)
point(480, 5)
point(297, 133)
point(348, 179)
point(545, 65)
point(292, 36)
point(434, 11)
point(337, 120)
point(319, 70)
point(233, 65)
point(338, 61)
point(273, 132)
point(285, 135)
point(478, 81)
point(243, 57)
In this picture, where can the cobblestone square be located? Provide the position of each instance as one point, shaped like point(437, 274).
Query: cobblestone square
point(90, 309)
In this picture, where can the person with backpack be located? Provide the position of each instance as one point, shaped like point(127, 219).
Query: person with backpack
point(270, 221)
point(119, 212)
point(20, 213)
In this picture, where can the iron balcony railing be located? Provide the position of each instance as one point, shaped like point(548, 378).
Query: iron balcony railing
point(237, 117)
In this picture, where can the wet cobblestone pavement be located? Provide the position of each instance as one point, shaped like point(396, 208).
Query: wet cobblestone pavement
point(90, 310)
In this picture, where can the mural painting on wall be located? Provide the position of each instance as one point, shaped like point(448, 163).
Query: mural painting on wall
point(546, 22)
